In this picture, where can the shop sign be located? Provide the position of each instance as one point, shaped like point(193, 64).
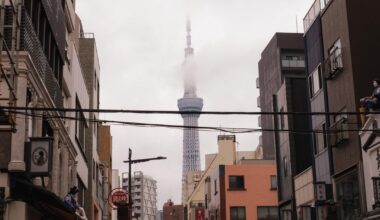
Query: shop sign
point(38, 156)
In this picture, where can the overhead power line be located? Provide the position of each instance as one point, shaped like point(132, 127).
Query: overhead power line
point(201, 128)
point(131, 111)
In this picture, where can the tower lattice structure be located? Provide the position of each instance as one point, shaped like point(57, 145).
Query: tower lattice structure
point(188, 104)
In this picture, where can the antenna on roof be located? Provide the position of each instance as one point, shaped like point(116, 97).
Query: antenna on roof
point(297, 24)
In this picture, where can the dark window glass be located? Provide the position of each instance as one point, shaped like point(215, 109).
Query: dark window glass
point(81, 190)
point(80, 126)
point(215, 187)
point(236, 182)
point(273, 182)
point(348, 197)
point(267, 213)
point(315, 81)
point(237, 213)
point(282, 118)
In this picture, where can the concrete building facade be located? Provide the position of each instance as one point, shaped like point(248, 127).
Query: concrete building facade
point(46, 72)
point(144, 195)
point(283, 88)
point(282, 56)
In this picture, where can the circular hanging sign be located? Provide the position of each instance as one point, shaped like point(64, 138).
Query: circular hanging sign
point(117, 196)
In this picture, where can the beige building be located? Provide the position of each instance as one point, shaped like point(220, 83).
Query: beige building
point(226, 155)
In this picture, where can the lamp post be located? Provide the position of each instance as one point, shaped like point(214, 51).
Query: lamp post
point(130, 162)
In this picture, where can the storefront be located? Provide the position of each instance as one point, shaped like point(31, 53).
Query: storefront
point(37, 202)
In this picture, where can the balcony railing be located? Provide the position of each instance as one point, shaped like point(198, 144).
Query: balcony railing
point(30, 43)
point(293, 63)
point(87, 35)
point(334, 64)
point(311, 15)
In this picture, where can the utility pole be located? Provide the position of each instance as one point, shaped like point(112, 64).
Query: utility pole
point(130, 161)
point(130, 184)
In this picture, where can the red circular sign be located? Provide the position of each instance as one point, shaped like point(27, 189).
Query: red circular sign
point(118, 196)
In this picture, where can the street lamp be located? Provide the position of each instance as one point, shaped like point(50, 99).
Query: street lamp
point(130, 162)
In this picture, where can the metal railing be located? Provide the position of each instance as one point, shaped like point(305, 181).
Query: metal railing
point(293, 63)
point(87, 35)
point(311, 15)
point(334, 63)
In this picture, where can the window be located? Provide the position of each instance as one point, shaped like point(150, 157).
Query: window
point(237, 213)
point(282, 118)
point(95, 124)
point(338, 132)
point(348, 196)
point(80, 126)
point(273, 182)
point(335, 58)
point(81, 191)
point(285, 164)
point(320, 139)
point(93, 170)
point(267, 213)
point(236, 182)
point(315, 81)
point(324, 3)
point(215, 187)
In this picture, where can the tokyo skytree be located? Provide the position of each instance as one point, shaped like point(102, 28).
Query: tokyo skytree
point(190, 103)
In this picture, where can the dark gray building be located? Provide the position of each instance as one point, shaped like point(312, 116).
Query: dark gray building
point(283, 56)
point(283, 88)
point(341, 46)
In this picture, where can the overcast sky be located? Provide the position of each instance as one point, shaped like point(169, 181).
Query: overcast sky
point(141, 49)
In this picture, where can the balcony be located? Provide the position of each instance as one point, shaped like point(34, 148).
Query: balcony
point(333, 64)
point(338, 132)
point(293, 63)
point(311, 15)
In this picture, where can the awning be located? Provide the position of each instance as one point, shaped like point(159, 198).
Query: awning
point(46, 202)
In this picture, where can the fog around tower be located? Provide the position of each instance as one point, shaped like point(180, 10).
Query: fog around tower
point(189, 71)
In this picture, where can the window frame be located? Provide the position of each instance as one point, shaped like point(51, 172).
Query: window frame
point(80, 126)
point(273, 179)
point(238, 208)
point(317, 149)
point(315, 81)
point(268, 210)
point(234, 185)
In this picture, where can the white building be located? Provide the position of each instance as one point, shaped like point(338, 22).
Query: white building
point(370, 139)
point(144, 195)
